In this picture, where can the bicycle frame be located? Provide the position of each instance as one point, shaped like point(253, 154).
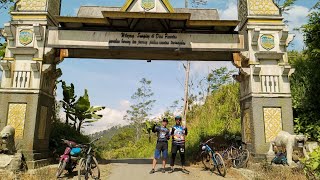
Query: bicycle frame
point(89, 156)
point(229, 149)
point(209, 150)
point(88, 159)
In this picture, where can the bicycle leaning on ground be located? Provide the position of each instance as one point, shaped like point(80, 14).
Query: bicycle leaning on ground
point(238, 155)
point(210, 157)
point(88, 165)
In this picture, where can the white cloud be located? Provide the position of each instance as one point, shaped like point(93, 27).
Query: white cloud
point(231, 13)
point(111, 118)
point(124, 104)
point(297, 16)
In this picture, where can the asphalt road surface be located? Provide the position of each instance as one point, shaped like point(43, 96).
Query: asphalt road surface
point(123, 171)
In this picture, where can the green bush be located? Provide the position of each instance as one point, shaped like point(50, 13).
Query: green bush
point(312, 165)
point(62, 131)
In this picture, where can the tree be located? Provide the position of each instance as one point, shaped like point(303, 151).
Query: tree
point(312, 33)
point(284, 5)
point(84, 113)
point(6, 4)
point(197, 3)
point(69, 99)
point(2, 49)
point(79, 111)
point(218, 77)
point(143, 104)
point(305, 84)
point(3, 46)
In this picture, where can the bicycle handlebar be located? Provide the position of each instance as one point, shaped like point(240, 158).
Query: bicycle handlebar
point(209, 140)
point(95, 140)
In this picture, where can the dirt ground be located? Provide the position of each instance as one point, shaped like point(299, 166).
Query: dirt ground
point(120, 171)
point(139, 170)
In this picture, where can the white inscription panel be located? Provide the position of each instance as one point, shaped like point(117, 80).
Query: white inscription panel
point(105, 40)
point(148, 40)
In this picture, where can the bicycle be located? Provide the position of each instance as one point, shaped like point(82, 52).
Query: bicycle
point(238, 156)
point(209, 154)
point(89, 163)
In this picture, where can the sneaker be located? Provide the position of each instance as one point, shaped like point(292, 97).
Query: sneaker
point(171, 170)
point(152, 171)
point(163, 170)
point(185, 171)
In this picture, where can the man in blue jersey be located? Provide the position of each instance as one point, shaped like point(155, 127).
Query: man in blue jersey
point(162, 145)
point(178, 133)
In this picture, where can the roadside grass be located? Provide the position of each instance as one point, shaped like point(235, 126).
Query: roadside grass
point(48, 173)
point(266, 171)
point(44, 173)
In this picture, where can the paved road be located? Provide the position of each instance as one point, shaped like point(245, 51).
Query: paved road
point(122, 171)
point(137, 169)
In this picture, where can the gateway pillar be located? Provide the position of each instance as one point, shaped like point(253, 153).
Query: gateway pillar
point(264, 71)
point(28, 81)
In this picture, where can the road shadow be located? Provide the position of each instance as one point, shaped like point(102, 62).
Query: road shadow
point(135, 161)
point(125, 161)
point(66, 175)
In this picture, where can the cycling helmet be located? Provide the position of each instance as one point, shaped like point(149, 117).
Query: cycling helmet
point(165, 120)
point(178, 118)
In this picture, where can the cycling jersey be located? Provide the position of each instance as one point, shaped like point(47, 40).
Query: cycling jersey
point(179, 132)
point(162, 133)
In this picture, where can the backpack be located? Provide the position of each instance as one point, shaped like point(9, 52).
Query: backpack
point(280, 158)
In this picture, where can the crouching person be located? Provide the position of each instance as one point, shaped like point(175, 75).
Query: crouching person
point(162, 145)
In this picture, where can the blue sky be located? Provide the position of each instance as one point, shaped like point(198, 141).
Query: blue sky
point(112, 82)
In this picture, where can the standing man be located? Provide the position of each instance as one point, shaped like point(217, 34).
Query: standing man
point(162, 145)
point(178, 134)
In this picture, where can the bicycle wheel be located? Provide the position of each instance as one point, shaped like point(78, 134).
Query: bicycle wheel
point(62, 165)
point(226, 155)
point(94, 169)
point(206, 160)
point(242, 159)
point(220, 164)
point(82, 172)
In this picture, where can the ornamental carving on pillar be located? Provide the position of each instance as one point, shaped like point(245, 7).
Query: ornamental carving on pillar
point(247, 126)
point(257, 8)
point(263, 7)
point(52, 6)
point(31, 5)
point(16, 118)
point(272, 122)
point(242, 10)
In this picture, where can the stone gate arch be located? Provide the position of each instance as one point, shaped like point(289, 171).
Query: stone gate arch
point(39, 38)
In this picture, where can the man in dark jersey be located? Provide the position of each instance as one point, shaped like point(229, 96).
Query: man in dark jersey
point(178, 133)
point(162, 145)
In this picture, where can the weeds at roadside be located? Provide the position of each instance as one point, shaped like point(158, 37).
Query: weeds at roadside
point(46, 173)
point(266, 171)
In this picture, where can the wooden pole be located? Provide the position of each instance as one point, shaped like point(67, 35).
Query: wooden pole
point(186, 94)
point(186, 85)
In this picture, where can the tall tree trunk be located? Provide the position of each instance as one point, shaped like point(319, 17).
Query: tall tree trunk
point(137, 133)
point(75, 123)
point(67, 117)
point(79, 126)
point(186, 92)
